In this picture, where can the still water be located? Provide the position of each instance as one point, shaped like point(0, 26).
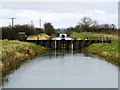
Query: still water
point(65, 69)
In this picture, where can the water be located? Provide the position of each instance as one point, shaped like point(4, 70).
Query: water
point(59, 38)
point(62, 36)
point(65, 69)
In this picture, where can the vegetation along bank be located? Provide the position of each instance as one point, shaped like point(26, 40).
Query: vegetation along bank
point(109, 51)
point(15, 53)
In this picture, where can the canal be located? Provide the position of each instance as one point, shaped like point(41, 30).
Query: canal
point(65, 69)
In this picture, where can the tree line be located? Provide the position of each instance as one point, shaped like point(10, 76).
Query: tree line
point(86, 24)
point(10, 33)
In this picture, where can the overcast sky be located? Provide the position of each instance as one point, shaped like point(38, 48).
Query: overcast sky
point(60, 14)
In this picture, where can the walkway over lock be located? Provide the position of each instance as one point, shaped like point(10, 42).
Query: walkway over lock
point(67, 44)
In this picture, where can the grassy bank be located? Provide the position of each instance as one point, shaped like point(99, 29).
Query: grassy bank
point(15, 53)
point(109, 51)
point(83, 36)
point(0, 72)
point(89, 36)
point(38, 37)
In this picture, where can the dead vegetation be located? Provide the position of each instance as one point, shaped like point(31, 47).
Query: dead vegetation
point(39, 37)
point(15, 53)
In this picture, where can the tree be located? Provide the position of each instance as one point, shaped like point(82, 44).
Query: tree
point(12, 32)
point(38, 30)
point(113, 26)
point(95, 23)
point(85, 24)
point(8, 33)
point(86, 21)
point(49, 29)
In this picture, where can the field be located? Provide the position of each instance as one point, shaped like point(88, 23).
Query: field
point(89, 36)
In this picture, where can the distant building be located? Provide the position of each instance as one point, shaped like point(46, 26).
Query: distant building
point(62, 37)
point(22, 36)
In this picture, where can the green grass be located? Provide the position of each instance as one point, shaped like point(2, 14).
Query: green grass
point(109, 51)
point(15, 53)
point(83, 36)
point(6, 42)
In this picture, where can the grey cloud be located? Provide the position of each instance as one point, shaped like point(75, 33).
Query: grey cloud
point(61, 7)
point(75, 10)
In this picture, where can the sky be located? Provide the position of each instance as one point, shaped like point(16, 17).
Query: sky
point(62, 14)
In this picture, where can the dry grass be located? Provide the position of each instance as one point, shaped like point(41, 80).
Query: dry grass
point(0, 65)
point(39, 37)
point(0, 73)
point(102, 34)
point(15, 53)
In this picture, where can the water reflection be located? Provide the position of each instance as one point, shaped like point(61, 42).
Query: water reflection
point(65, 69)
point(62, 53)
point(56, 53)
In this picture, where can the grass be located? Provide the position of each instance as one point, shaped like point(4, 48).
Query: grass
point(109, 51)
point(0, 64)
point(6, 42)
point(36, 35)
point(83, 36)
point(16, 53)
point(40, 36)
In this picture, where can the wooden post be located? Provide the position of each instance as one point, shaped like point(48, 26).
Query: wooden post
point(72, 46)
point(37, 38)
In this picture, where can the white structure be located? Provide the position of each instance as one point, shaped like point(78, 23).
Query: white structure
point(62, 37)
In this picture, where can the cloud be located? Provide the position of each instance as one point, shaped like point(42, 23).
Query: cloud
point(60, 6)
point(61, 14)
point(59, 1)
